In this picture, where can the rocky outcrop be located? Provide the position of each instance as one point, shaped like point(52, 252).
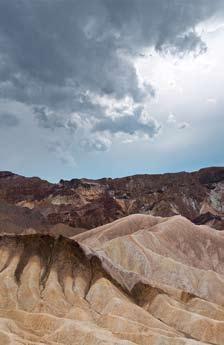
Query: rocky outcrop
point(141, 280)
point(89, 203)
point(22, 220)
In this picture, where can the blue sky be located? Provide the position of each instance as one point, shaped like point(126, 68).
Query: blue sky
point(110, 88)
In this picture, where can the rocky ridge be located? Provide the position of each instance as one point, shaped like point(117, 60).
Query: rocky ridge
point(85, 203)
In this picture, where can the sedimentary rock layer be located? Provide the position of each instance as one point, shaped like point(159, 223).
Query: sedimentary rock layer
point(85, 203)
point(140, 280)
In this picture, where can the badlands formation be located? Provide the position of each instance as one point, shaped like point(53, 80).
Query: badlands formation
point(84, 203)
point(141, 279)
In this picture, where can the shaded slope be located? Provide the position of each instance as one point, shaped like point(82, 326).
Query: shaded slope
point(18, 220)
point(22, 220)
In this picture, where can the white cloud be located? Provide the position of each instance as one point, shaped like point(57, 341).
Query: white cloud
point(171, 118)
point(212, 100)
point(95, 143)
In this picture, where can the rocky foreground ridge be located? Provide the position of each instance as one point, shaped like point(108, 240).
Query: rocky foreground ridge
point(84, 203)
point(141, 280)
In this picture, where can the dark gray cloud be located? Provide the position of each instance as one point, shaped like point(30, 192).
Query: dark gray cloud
point(47, 119)
point(129, 125)
point(58, 55)
point(77, 44)
point(8, 120)
point(186, 43)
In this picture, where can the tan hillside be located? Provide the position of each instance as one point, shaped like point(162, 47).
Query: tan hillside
point(140, 280)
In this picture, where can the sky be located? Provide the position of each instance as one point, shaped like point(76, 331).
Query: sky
point(110, 88)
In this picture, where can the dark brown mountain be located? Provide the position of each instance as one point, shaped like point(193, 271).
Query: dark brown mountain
point(85, 203)
point(18, 220)
point(21, 220)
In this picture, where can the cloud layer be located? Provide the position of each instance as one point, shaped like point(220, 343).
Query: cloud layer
point(72, 63)
point(8, 120)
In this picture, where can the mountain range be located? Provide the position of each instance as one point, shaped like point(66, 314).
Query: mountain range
point(85, 203)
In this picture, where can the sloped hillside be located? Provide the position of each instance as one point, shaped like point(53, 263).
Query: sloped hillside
point(140, 280)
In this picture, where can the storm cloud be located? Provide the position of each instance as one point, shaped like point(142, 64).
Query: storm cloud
point(129, 125)
point(53, 51)
point(8, 120)
point(72, 63)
